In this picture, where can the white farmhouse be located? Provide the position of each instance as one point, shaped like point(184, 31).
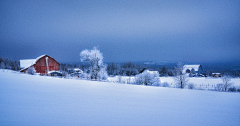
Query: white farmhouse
point(187, 68)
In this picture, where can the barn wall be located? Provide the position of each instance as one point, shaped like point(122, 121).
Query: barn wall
point(41, 66)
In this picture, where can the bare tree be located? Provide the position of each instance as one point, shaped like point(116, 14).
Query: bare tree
point(226, 82)
point(113, 69)
point(180, 78)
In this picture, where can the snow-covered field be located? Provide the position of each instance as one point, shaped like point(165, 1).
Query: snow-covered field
point(37, 100)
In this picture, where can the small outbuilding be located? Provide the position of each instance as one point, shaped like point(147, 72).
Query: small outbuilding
point(55, 73)
point(75, 72)
point(155, 73)
point(216, 75)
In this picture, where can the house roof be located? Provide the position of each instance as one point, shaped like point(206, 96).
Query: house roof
point(29, 62)
point(215, 73)
point(190, 67)
point(152, 72)
point(49, 72)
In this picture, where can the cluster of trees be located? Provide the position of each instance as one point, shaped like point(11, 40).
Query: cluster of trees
point(148, 78)
point(132, 69)
point(126, 69)
point(9, 64)
point(97, 70)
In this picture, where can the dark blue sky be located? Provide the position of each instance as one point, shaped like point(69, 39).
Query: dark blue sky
point(127, 30)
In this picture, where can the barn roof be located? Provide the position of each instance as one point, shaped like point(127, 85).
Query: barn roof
point(29, 62)
point(190, 67)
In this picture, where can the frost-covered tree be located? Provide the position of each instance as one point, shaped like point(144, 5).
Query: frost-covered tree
point(102, 74)
point(31, 70)
point(180, 78)
point(95, 58)
point(147, 78)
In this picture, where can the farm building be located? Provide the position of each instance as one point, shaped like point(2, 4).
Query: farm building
point(216, 75)
point(197, 68)
point(75, 72)
point(155, 73)
point(55, 73)
point(43, 64)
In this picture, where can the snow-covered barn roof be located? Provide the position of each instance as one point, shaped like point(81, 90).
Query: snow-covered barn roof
point(26, 63)
point(29, 62)
point(190, 67)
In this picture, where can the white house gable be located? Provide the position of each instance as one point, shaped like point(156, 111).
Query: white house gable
point(188, 68)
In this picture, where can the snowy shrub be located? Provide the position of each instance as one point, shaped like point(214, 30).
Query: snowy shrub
point(102, 74)
point(191, 86)
point(156, 81)
point(64, 74)
point(232, 89)
point(146, 78)
point(165, 84)
point(225, 85)
point(128, 81)
point(238, 90)
point(219, 87)
point(122, 79)
point(85, 75)
point(31, 70)
point(119, 79)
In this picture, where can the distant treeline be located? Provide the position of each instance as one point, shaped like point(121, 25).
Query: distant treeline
point(9, 64)
point(131, 69)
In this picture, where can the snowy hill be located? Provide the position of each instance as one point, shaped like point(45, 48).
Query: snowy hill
point(37, 100)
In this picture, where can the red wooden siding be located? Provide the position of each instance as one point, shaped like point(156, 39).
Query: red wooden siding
point(41, 66)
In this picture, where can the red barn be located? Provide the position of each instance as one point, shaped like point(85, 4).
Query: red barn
point(43, 64)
